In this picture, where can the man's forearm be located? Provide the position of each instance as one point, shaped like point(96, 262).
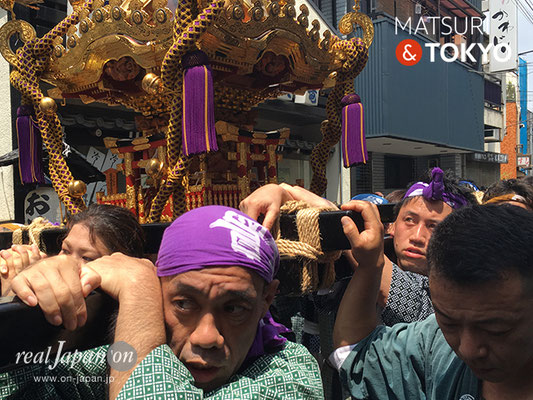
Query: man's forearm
point(386, 277)
point(357, 315)
point(140, 323)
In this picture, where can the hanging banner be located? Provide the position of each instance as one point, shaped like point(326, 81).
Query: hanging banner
point(503, 35)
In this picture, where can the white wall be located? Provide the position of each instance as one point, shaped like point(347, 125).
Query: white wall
point(7, 197)
point(338, 178)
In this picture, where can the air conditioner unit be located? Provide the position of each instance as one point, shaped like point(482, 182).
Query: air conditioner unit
point(493, 135)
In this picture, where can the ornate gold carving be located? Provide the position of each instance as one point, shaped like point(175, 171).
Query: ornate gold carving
point(289, 11)
point(314, 33)
point(25, 31)
point(71, 41)
point(274, 8)
point(237, 12)
point(76, 4)
point(326, 42)
point(257, 11)
point(84, 26)
point(99, 15)
point(161, 16)
point(116, 13)
point(137, 17)
point(349, 22)
point(302, 18)
point(58, 50)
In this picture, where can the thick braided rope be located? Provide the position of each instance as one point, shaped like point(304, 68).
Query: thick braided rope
point(186, 33)
point(37, 226)
point(172, 79)
point(176, 183)
point(185, 39)
point(51, 134)
point(357, 56)
point(171, 76)
point(32, 60)
point(308, 246)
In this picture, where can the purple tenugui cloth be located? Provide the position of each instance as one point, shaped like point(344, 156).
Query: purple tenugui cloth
point(435, 190)
point(216, 236)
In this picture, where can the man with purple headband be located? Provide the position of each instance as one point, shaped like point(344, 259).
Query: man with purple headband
point(203, 329)
point(478, 344)
point(424, 205)
point(404, 283)
point(404, 293)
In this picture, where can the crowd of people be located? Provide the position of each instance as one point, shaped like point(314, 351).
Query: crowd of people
point(444, 315)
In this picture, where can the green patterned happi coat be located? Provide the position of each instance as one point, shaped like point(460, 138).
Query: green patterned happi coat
point(291, 373)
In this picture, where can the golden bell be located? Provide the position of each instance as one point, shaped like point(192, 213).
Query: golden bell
point(48, 105)
point(151, 83)
point(154, 168)
point(77, 188)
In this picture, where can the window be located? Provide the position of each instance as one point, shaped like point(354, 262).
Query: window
point(398, 171)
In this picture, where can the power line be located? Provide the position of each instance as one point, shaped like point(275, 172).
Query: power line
point(519, 122)
point(529, 4)
point(524, 11)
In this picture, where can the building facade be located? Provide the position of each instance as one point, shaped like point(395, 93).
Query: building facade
point(434, 113)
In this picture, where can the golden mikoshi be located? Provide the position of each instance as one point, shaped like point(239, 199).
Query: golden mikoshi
point(130, 54)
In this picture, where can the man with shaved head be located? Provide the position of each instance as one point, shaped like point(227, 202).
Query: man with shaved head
point(199, 323)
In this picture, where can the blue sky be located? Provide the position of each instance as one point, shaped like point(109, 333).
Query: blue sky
point(525, 43)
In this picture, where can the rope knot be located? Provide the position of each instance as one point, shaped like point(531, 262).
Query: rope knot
point(34, 230)
point(308, 246)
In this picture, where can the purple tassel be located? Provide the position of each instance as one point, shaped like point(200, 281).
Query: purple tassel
point(353, 141)
point(30, 146)
point(199, 134)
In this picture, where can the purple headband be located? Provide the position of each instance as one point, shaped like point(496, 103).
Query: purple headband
point(217, 235)
point(434, 190)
